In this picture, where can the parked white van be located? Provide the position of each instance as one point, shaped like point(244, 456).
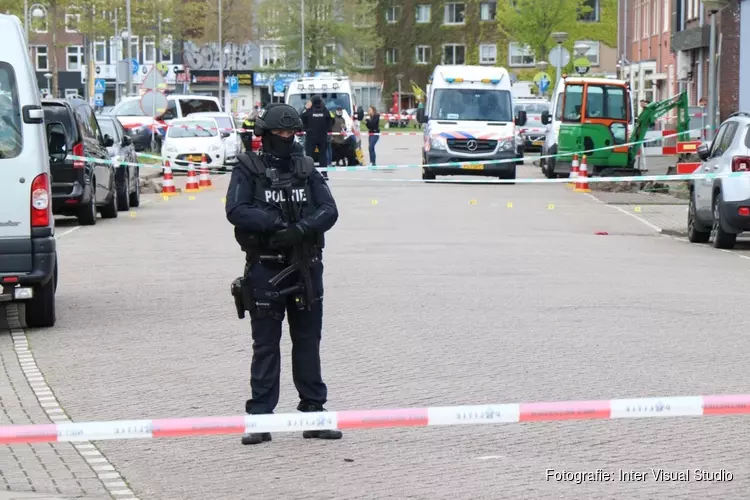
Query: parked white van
point(469, 120)
point(28, 254)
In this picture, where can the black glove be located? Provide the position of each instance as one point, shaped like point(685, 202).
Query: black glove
point(287, 237)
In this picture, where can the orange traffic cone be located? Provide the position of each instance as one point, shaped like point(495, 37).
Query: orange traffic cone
point(205, 178)
point(167, 187)
point(582, 182)
point(192, 181)
point(574, 172)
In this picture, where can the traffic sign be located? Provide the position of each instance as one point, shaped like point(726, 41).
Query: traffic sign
point(154, 80)
point(279, 86)
point(543, 81)
point(100, 85)
point(234, 85)
point(154, 103)
point(98, 100)
point(559, 54)
point(134, 66)
point(582, 65)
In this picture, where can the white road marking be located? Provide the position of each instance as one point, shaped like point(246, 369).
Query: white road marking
point(68, 231)
point(489, 457)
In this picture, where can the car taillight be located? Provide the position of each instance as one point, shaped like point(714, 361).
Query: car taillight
point(40, 201)
point(78, 151)
point(740, 164)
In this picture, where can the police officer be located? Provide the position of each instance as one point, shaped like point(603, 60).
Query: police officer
point(318, 123)
point(256, 209)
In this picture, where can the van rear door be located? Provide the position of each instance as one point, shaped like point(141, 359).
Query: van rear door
point(16, 177)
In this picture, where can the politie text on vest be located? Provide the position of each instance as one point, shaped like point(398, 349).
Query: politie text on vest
point(279, 196)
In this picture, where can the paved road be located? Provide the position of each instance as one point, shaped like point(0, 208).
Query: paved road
point(436, 295)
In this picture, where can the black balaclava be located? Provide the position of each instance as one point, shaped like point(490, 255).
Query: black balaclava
point(317, 101)
point(279, 147)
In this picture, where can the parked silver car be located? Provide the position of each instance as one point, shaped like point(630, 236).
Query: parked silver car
point(720, 207)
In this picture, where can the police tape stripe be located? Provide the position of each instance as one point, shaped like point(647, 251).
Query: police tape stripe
point(216, 168)
point(680, 406)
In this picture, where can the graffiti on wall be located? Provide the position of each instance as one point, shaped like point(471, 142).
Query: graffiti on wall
point(207, 56)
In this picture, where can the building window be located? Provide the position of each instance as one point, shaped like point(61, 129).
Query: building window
point(454, 13)
point(149, 49)
point(119, 51)
point(74, 57)
point(365, 58)
point(519, 55)
point(592, 12)
point(454, 53)
point(271, 55)
point(646, 21)
point(71, 23)
point(100, 52)
point(41, 57)
point(391, 56)
point(39, 24)
point(637, 22)
point(423, 14)
point(488, 11)
point(593, 53)
point(666, 15)
point(393, 14)
point(329, 56)
point(487, 53)
point(655, 5)
point(423, 54)
point(167, 54)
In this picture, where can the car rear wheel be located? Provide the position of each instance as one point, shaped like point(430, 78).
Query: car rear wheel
point(109, 211)
point(87, 214)
point(428, 175)
point(135, 196)
point(696, 232)
point(123, 196)
point(40, 310)
point(721, 238)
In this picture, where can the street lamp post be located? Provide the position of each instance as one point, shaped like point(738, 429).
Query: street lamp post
point(713, 6)
point(48, 76)
point(129, 28)
point(302, 39)
point(221, 58)
point(559, 37)
point(35, 10)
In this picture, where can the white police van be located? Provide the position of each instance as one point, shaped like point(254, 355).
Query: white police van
point(469, 119)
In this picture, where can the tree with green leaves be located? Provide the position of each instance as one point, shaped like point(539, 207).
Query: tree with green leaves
point(338, 34)
point(532, 22)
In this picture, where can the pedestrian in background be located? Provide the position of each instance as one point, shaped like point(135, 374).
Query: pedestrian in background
point(318, 124)
point(373, 128)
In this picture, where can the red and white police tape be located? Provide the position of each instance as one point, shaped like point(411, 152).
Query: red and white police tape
point(681, 406)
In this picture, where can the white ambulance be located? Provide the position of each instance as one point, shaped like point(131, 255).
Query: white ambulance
point(469, 119)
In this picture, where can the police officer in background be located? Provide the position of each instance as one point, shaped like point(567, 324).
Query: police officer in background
point(318, 123)
point(256, 210)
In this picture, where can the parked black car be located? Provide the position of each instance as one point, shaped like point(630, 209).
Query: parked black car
point(79, 187)
point(122, 153)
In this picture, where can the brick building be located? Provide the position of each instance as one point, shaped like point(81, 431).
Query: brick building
point(665, 50)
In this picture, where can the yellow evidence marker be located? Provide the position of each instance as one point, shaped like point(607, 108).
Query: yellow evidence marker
point(472, 202)
point(638, 209)
point(510, 205)
point(374, 202)
point(133, 214)
point(550, 207)
point(191, 198)
point(224, 200)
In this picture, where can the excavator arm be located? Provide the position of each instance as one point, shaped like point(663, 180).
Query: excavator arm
point(653, 112)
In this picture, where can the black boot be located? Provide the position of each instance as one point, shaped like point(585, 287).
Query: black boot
point(256, 437)
point(322, 434)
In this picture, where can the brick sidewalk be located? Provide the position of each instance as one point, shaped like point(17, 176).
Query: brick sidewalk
point(55, 469)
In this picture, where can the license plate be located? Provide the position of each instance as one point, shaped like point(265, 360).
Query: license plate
point(538, 143)
point(473, 166)
point(194, 158)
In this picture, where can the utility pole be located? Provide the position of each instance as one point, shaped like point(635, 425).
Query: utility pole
point(129, 88)
point(302, 39)
point(221, 59)
point(117, 80)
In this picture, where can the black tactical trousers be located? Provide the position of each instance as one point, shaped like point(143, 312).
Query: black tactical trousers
point(305, 330)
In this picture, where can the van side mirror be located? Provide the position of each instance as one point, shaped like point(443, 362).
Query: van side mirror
point(225, 134)
point(546, 118)
point(421, 117)
point(56, 141)
point(521, 118)
point(126, 140)
point(360, 113)
point(703, 151)
point(108, 141)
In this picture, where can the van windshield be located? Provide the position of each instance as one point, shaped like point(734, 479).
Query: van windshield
point(472, 105)
point(11, 138)
point(332, 100)
point(533, 112)
point(197, 105)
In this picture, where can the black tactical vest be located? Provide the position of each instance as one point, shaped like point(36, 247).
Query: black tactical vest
point(273, 199)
